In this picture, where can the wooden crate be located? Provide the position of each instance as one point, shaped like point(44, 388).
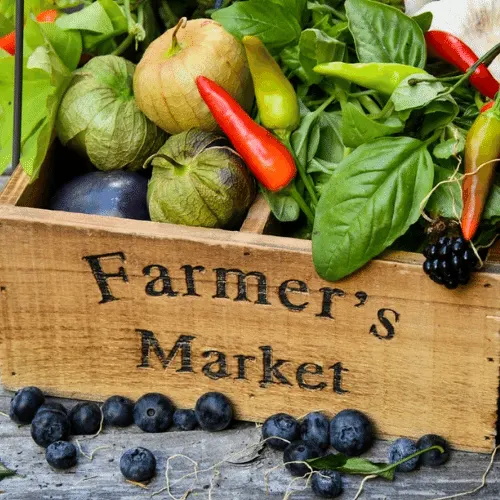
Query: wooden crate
point(94, 306)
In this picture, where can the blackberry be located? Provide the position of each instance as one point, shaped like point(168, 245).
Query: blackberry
point(449, 261)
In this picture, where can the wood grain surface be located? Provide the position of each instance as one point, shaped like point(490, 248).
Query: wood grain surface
point(101, 478)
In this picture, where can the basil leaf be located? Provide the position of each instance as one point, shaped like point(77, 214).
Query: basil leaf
point(407, 96)
point(355, 465)
point(371, 199)
point(91, 18)
point(274, 25)
point(67, 44)
point(282, 205)
point(316, 47)
point(358, 128)
point(449, 148)
point(384, 34)
point(438, 114)
point(5, 472)
point(446, 200)
point(92, 41)
point(298, 7)
point(330, 148)
point(424, 20)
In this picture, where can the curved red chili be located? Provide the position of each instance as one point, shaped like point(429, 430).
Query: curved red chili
point(266, 157)
point(482, 148)
point(451, 49)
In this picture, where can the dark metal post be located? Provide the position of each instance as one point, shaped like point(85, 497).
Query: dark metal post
point(18, 84)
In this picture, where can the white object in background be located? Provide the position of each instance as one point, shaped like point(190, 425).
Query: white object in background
point(475, 22)
point(411, 6)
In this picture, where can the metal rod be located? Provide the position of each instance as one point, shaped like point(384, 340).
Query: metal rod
point(18, 84)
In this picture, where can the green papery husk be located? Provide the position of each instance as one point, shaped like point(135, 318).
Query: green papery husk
point(198, 180)
point(98, 117)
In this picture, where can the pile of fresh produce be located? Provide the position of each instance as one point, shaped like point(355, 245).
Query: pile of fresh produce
point(304, 443)
point(371, 129)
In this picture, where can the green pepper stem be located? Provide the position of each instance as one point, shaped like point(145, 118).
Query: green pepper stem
point(294, 193)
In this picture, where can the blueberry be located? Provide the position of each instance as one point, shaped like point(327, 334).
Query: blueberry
point(85, 418)
point(48, 427)
point(298, 451)
point(53, 406)
point(118, 411)
point(214, 411)
point(400, 449)
point(327, 483)
point(24, 404)
point(61, 455)
point(185, 420)
point(427, 267)
point(282, 426)
point(153, 412)
point(351, 432)
point(433, 458)
point(138, 464)
point(315, 430)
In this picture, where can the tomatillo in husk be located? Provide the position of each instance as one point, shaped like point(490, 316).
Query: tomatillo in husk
point(199, 180)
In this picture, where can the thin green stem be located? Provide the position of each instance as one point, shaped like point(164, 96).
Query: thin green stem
point(386, 110)
point(409, 457)
point(433, 137)
point(369, 104)
point(167, 14)
point(123, 46)
point(363, 92)
point(301, 169)
point(292, 190)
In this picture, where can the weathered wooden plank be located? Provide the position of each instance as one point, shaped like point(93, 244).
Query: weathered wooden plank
point(101, 477)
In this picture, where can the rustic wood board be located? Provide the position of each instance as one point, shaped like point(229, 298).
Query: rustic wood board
point(387, 340)
point(101, 478)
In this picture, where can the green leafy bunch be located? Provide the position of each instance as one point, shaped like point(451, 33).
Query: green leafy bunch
point(377, 160)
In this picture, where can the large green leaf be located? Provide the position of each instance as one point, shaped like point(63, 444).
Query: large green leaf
point(372, 198)
point(384, 34)
point(270, 22)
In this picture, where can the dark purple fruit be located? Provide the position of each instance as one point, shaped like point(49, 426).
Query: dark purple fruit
point(116, 194)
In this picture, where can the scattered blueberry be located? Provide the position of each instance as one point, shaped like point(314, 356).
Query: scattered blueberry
point(327, 484)
point(214, 411)
point(85, 418)
point(24, 404)
point(185, 420)
point(48, 427)
point(433, 458)
point(298, 451)
point(138, 464)
point(315, 430)
point(61, 455)
point(283, 426)
point(153, 412)
point(53, 406)
point(402, 448)
point(118, 411)
point(351, 432)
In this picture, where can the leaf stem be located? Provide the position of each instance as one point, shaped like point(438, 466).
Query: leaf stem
point(167, 14)
point(409, 457)
point(301, 169)
point(433, 137)
point(294, 193)
point(331, 10)
point(123, 46)
point(369, 104)
point(386, 110)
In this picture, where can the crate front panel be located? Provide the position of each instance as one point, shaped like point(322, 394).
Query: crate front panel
point(94, 306)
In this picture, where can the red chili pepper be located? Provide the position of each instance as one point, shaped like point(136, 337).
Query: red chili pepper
point(482, 147)
point(452, 50)
point(487, 106)
point(8, 42)
point(266, 157)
